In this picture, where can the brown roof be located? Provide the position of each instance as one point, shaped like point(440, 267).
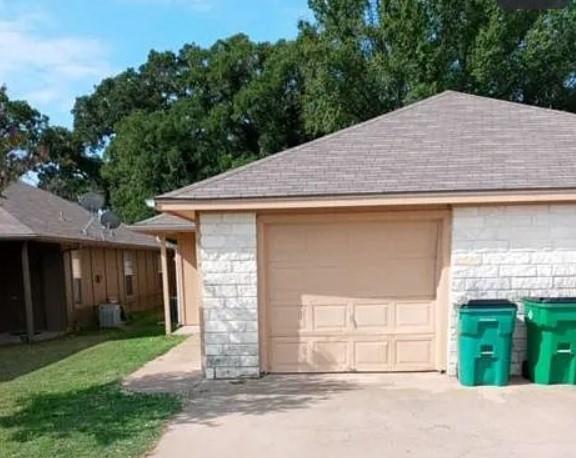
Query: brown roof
point(29, 212)
point(163, 222)
point(451, 142)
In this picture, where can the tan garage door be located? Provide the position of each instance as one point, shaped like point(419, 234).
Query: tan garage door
point(354, 293)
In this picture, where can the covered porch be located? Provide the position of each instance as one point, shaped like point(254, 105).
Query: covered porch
point(180, 235)
point(33, 302)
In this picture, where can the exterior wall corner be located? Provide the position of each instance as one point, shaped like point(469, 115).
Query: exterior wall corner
point(228, 261)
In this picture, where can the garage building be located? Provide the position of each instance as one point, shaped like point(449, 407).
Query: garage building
point(351, 252)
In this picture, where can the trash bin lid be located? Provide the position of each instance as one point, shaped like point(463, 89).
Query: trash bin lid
point(552, 301)
point(489, 303)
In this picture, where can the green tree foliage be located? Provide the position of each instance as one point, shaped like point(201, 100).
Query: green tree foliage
point(67, 169)
point(29, 144)
point(218, 108)
point(185, 116)
point(376, 55)
point(21, 130)
point(153, 87)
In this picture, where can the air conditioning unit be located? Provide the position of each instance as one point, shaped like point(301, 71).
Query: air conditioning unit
point(110, 315)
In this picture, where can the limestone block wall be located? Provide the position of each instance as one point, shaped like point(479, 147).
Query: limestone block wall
point(511, 252)
point(227, 252)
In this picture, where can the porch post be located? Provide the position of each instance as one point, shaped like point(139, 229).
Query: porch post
point(165, 285)
point(178, 270)
point(27, 292)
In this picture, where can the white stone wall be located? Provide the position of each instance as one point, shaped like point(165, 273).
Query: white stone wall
point(511, 252)
point(227, 254)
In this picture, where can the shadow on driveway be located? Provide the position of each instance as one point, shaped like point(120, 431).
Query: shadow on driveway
point(211, 400)
point(372, 416)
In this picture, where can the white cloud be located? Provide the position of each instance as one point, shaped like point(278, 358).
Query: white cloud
point(48, 69)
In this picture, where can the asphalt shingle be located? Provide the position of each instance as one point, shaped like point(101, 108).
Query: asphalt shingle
point(163, 221)
point(29, 212)
point(451, 142)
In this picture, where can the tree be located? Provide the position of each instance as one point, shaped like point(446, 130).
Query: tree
point(366, 57)
point(182, 117)
point(152, 87)
point(154, 153)
point(342, 84)
point(227, 105)
point(67, 169)
point(21, 130)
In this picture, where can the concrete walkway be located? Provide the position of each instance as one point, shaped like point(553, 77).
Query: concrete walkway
point(178, 371)
point(371, 416)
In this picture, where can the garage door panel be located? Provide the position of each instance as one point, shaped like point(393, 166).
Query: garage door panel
point(330, 355)
point(351, 296)
point(414, 317)
point(287, 320)
point(328, 318)
point(348, 353)
point(291, 355)
point(372, 355)
point(372, 316)
point(415, 353)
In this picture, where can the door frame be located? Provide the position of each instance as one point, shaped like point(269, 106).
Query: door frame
point(442, 272)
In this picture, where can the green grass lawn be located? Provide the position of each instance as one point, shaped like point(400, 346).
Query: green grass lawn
point(63, 398)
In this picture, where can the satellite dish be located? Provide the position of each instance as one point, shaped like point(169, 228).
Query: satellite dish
point(92, 201)
point(110, 220)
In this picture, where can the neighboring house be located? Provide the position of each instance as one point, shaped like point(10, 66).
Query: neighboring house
point(58, 263)
point(352, 252)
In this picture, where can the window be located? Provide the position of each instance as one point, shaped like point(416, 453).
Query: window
point(77, 276)
point(128, 273)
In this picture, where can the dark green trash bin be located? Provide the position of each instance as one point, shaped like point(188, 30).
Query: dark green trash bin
point(551, 329)
point(485, 335)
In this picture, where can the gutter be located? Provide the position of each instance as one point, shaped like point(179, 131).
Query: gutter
point(189, 205)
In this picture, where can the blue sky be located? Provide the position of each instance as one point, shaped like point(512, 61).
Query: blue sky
point(54, 50)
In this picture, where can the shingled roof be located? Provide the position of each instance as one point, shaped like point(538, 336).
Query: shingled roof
point(28, 212)
point(452, 142)
point(163, 222)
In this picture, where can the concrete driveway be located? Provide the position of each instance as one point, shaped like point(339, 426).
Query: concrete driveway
point(377, 415)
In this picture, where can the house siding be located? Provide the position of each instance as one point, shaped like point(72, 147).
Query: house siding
point(189, 279)
point(228, 257)
point(103, 280)
point(510, 252)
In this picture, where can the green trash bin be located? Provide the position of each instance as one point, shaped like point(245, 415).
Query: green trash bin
point(551, 329)
point(485, 342)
